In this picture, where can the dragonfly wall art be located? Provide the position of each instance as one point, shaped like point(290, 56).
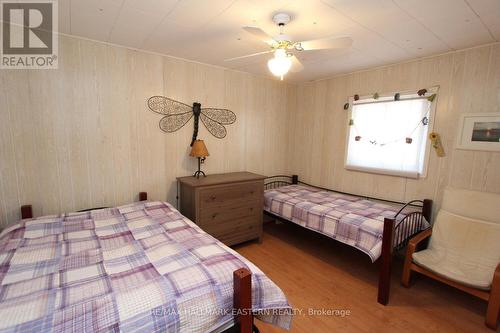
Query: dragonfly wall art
point(177, 114)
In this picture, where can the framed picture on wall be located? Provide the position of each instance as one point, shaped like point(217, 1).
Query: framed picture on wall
point(479, 131)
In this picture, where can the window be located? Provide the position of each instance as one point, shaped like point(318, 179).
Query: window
point(389, 136)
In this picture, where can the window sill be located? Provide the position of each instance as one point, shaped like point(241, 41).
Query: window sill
point(394, 173)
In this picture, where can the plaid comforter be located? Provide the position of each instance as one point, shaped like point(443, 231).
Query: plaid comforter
point(137, 268)
point(349, 219)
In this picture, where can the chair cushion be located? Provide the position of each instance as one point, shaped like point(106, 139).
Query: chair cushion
point(462, 249)
point(473, 204)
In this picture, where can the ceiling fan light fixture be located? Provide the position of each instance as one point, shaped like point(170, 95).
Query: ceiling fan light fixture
point(285, 48)
point(280, 64)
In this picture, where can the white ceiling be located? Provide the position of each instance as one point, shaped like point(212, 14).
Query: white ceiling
point(209, 31)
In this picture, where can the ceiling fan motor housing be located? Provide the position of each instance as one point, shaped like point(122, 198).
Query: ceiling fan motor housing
point(283, 40)
point(281, 19)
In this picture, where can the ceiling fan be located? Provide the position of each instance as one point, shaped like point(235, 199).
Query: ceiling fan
point(284, 60)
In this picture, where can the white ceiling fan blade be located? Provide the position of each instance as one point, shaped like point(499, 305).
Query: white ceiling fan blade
point(296, 65)
point(249, 55)
point(327, 43)
point(260, 34)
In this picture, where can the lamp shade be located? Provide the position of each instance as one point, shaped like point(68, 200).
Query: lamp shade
point(199, 149)
point(280, 64)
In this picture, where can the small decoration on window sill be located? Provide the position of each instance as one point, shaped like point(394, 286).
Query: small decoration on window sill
point(431, 98)
point(356, 97)
point(421, 92)
point(425, 121)
point(409, 140)
point(397, 96)
point(346, 106)
point(436, 144)
point(376, 96)
point(357, 138)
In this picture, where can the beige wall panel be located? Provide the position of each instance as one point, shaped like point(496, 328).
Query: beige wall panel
point(469, 82)
point(82, 136)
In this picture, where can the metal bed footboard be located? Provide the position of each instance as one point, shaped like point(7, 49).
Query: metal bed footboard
point(396, 234)
point(411, 224)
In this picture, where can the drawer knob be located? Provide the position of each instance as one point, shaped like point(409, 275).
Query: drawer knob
point(214, 215)
point(212, 197)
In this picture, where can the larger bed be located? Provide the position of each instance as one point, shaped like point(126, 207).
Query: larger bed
point(375, 227)
point(142, 267)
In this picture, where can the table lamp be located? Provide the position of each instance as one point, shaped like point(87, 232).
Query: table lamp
point(200, 151)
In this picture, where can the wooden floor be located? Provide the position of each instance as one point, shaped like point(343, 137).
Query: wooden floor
point(316, 272)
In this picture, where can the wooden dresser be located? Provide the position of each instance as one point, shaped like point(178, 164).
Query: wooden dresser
point(227, 206)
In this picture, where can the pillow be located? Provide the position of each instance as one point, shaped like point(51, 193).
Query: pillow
point(473, 204)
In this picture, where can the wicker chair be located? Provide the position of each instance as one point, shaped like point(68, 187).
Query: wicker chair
point(464, 249)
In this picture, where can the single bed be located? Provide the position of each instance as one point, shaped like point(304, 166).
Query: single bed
point(374, 226)
point(142, 267)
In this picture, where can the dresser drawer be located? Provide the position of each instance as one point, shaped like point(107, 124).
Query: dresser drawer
point(232, 225)
point(218, 213)
point(236, 231)
point(230, 194)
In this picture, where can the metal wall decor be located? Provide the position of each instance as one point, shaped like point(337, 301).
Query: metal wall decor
point(177, 114)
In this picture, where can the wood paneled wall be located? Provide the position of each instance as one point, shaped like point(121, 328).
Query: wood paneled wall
point(469, 82)
point(82, 136)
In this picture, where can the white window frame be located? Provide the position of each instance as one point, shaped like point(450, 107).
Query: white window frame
point(405, 95)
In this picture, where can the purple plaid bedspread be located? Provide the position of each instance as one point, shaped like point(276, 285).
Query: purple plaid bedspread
point(137, 268)
point(349, 219)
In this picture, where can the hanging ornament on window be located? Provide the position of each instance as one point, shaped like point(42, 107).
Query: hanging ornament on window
point(406, 139)
point(356, 97)
point(424, 121)
point(346, 106)
point(421, 92)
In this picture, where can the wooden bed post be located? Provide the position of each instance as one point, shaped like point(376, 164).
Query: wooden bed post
point(295, 179)
point(143, 196)
point(26, 212)
point(242, 300)
point(427, 210)
point(384, 280)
